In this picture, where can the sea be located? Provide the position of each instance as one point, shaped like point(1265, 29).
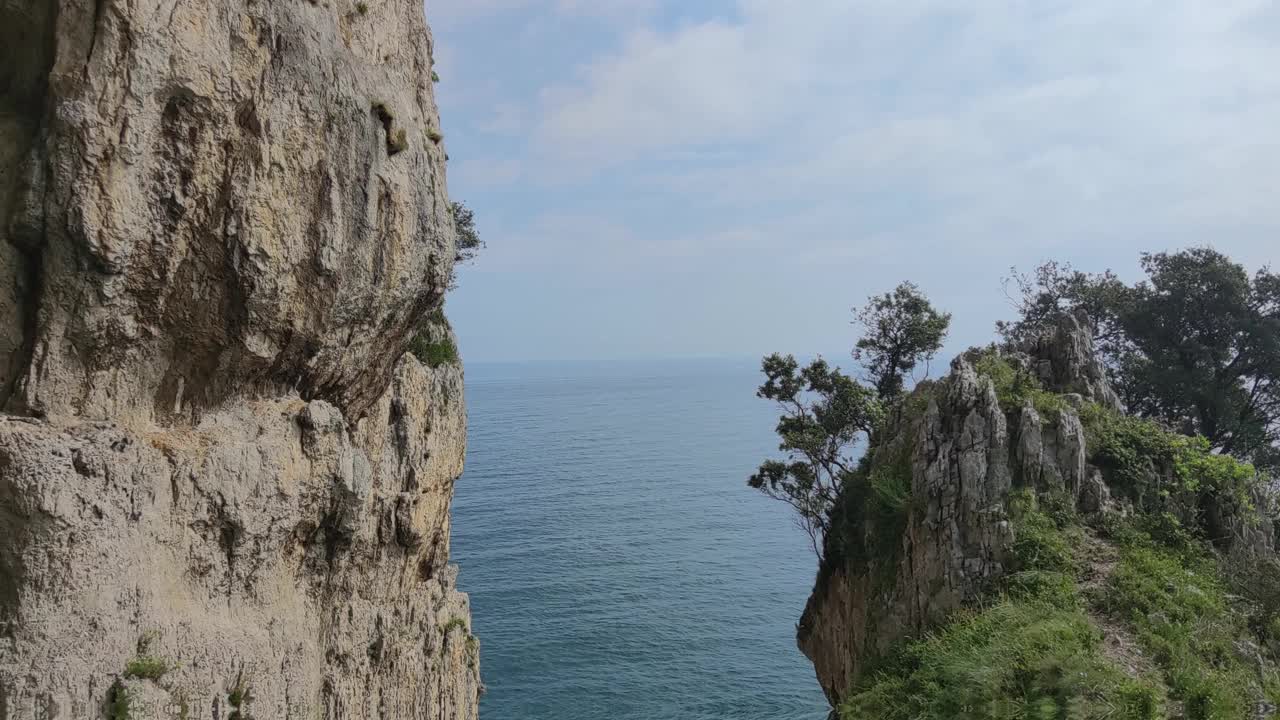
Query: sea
point(618, 565)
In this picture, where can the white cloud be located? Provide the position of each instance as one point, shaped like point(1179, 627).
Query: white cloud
point(860, 143)
point(1030, 73)
point(460, 11)
point(1045, 119)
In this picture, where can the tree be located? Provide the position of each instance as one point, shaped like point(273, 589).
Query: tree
point(902, 329)
point(468, 243)
point(828, 417)
point(824, 416)
point(1195, 345)
point(1055, 288)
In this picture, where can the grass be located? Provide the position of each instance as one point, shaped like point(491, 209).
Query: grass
point(1044, 567)
point(455, 623)
point(473, 651)
point(1034, 647)
point(1191, 627)
point(146, 668)
point(1016, 659)
point(1033, 653)
point(435, 135)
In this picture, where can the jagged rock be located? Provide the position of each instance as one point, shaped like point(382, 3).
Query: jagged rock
point(220, 226)
point(1050, 452)
point(1065, 361)
point(956, 535)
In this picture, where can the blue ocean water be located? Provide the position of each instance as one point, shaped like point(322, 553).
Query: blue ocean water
point(619, 568)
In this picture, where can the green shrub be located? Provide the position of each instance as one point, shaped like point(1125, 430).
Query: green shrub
point(146, 668)
point(1016, 659)
point(888, 505)
point(119, 703)
point(1164, 472)
point(891, 484)
point(455, 623)
point(434, 354)
point(239, 699)
point(1015, 386)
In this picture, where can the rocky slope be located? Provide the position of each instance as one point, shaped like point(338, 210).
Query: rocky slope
point(964, 448)
point(224, 484)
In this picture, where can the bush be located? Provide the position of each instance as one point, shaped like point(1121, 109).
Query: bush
point(239, 698)
point(1164, 472)
point(119, 702)
point(1015, 387)
point(146, 668)
point(434, 345)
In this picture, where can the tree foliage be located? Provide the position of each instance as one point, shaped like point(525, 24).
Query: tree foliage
point(825, 414)
point(467, 240)
point(1195, 345)
point(828, 417)
point(902, 330)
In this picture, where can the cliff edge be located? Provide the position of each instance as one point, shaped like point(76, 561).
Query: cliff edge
point(224, 483)
point(1015, 545)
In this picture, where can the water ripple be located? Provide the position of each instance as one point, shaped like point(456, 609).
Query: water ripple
point(617, 564)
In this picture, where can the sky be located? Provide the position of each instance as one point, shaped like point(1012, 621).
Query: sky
point(730, 178)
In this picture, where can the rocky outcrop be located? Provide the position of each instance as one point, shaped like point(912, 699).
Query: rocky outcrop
point(224, 484)
point(1064, 361)
point(963, 453)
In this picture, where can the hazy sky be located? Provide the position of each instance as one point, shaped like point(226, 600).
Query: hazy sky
point(730, 178)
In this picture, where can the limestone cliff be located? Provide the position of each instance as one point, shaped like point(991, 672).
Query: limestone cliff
point(963, 450)
point(224, 484)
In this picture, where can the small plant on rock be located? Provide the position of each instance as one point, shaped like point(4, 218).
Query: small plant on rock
point(118, 702)
point(146, 668)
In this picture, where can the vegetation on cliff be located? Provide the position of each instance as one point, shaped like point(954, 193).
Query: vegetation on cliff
point(828, 416)
point(1195, 346)
point(1127, 566)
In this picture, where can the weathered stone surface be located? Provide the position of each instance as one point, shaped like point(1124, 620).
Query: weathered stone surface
point(219, 198)
point(966, 454)
point(1066, 363)
point(220, 225)
point(262, 544)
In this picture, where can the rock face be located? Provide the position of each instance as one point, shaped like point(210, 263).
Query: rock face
point(224, 485)
point(963, 453)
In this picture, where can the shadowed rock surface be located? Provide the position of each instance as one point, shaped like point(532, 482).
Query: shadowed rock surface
point(224, 484)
